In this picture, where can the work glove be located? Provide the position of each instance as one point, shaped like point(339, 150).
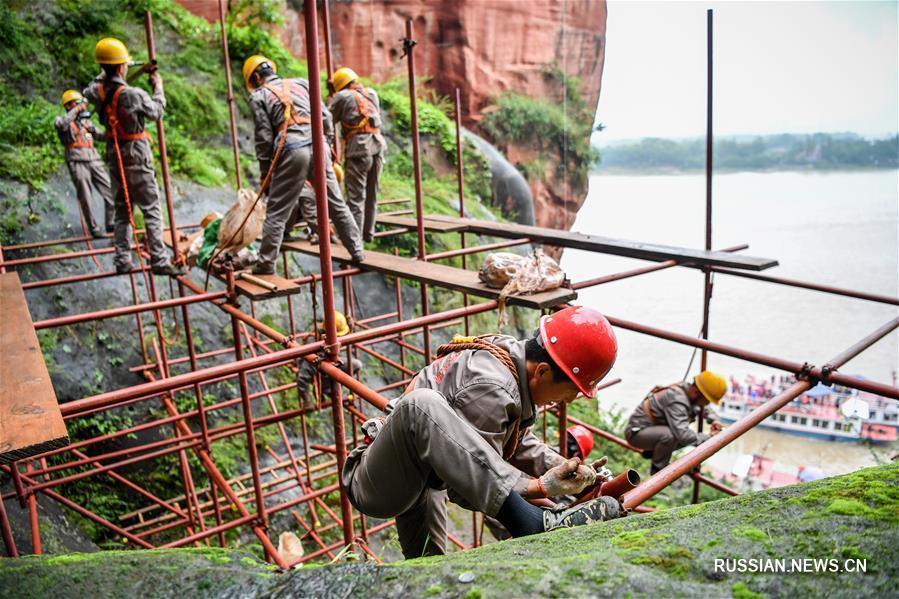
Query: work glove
point(569, 478)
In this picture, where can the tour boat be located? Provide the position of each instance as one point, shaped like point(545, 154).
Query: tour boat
point(832, 413)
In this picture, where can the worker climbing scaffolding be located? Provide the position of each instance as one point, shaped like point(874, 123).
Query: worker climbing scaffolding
point(462, 431)
point(283, 141)
point(123, 110)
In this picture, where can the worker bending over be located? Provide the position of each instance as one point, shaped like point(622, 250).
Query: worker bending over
point(77, 133)
point(271, 98)
point(661, 423)
point(358, 111)
point(123, 110)
point(462, 429)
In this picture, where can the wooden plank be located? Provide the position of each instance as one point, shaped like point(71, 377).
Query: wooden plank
point(430, 224)
point(609, 245)
point(440, 275)
point(246, 288)
point(30, 420)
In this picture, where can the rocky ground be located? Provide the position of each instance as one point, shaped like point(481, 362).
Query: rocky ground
point(671, 553)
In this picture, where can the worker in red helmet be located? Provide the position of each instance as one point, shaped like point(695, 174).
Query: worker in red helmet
point(579, 441)
point(462, 431)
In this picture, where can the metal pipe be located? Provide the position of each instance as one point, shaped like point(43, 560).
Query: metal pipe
point(163, 155)
point(824, 373)
point(53, 257)
point(408, 50)
point(873, 297)
point(6, 530)
point(126, 310)
point(643, 270)
point(693, 459)
point(460, 181)
point(332, 344)
point(487, 247)
point(699, 478)
point(707, 275)
point(187, 379)
point(230, 98)
point(248, 420)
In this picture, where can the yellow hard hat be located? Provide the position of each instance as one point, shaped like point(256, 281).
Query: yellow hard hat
point(711, 385)
point(109, 50)
point(343, 77)
point(70, 95)
point(251, 64)
point(340, 320)
point(338, 172)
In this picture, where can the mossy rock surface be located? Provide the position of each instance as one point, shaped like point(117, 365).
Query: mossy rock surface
point(669, 553)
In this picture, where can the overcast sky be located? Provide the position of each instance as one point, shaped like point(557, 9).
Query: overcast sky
point(795, 67)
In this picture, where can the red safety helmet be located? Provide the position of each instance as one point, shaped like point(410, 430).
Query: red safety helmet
point(581, 342)
point(583, 438)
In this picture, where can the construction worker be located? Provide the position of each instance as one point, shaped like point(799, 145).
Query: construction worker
point(306, 369)
point(661, 423)
point(579, 441)
point(123, 110)
point(462, 430)
point(77, 133)
point(358, 111)
point(270, 99)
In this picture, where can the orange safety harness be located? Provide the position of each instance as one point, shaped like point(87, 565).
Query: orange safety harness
point(655, 391)
point(363, 105)
point(461, 343)
point(114, 127)
point(81, 135)
point(289, 118)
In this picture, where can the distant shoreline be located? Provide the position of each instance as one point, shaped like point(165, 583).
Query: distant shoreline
point(658, 171)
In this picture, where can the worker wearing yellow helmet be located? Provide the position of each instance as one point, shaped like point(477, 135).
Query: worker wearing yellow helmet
point(124, 110)
point(306, 370)
point(282, 118)
point(77, 134)
point(661, 422)
point(358, 110)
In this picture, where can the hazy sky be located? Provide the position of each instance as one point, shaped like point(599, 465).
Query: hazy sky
point(779, 67)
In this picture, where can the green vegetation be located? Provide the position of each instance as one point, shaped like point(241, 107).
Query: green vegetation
point(820, 151)
point(666, 553)
point(557, 130)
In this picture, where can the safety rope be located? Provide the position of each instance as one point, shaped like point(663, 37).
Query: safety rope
point(114, 125)
point(288, 109)
point(462, 343)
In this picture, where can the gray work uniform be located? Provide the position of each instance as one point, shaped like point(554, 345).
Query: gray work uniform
point(77, 133)
point(135, 106)
point(294, 166)
point(364, 151)
point(669, 427)
point(338, 212)
point(462, 432)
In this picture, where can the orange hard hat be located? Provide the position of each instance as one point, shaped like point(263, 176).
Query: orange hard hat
point(581, 342)
point(583, 438)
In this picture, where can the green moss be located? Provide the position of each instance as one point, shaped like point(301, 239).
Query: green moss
point(473, 594)
point(739, 590)
point(750, 532)
point(434, 589)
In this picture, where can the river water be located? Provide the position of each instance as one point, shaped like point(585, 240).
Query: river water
point(837, 228)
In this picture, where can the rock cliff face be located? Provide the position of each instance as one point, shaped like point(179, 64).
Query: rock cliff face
point(483, 47)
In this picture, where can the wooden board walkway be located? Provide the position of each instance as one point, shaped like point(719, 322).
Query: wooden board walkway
point(607, 245)
point(30, 420)
point(440, 275)
point(246, 288)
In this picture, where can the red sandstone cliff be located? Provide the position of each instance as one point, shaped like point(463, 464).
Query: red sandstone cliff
point(483, 47)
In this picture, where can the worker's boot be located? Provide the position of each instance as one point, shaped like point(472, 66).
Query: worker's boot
point(170, 270)
point(596, 510)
